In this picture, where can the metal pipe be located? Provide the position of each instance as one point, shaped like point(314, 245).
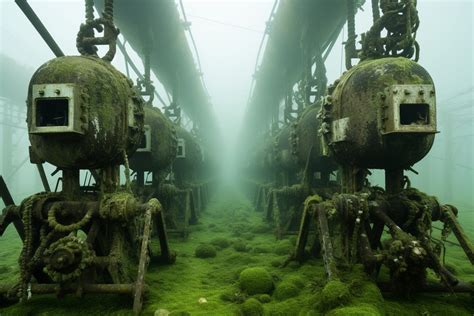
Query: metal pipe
point(31, 15)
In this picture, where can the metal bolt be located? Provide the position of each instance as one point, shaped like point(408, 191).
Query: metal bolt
point(57, 91)
point(407, 92)
point(395, 91)
point(41, 92)
point(422, 92)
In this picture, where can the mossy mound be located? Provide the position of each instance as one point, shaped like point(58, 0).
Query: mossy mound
point(238, 229)
point(285, 290)
point(263, 298)
point(251, 307)
point(260, 229)
point(335, 293)
point(220, 242)
point(364, 290)
point(247, 236)
point(356, 310)
point(256, 281)
point(240, 246)
point(296, 280)
point(205, 251)
point(233, 296)
point(283, 248)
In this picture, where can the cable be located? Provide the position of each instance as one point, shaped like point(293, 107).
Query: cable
point(272, 12)
point(227, 24)
point(194, 45)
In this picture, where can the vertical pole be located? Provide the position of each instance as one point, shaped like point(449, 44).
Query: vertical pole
point(393, 181)
point(71, 185)
point(352, 179)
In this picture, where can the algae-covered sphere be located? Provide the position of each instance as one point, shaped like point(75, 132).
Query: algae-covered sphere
point(158, 149)
point(256, 280)
point(306, 140)
point(383, 114)
point(82, 114)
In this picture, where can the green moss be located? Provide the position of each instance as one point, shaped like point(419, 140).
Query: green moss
point(240, 246)
point(260, 229)
point(233, 296)
point(180, 313)
point(294, 265)
point(220, 242)
point(296, 280)
point(357, 310)
point(285, 290)
point(256, 281)
point(247, 236)
point(261, 249)
point(251, 307)
point(334, 294)
point(263, 298)
point(284, 247)
point(205, 251)
point(178, 287)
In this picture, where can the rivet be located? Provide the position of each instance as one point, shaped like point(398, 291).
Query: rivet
point(406, 92)
point(57, 91)
point(41, 92)
point(422, 92)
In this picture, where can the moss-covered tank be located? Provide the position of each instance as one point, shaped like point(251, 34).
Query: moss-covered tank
point(306, 142)
point(282, 151)
point(82, 113)
point(159, 144)
point(382, 114)
point(188, 158)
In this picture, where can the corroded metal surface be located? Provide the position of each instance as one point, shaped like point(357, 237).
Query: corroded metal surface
point(359, 99)
point(107, 114)
point(158, 150)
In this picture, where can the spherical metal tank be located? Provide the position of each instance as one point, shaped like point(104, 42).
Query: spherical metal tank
point(189, 155)
point(282, 150)
point(160, 136)
point(82, 113)
point(382, 114)
point(306, 139)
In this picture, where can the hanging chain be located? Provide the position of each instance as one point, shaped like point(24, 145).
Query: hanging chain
point(350, 45)
point(86, 41)
point(400, 22)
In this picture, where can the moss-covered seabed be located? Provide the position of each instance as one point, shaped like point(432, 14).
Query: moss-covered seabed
point(213, 285)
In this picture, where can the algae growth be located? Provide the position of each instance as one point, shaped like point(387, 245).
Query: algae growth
point(249, 282)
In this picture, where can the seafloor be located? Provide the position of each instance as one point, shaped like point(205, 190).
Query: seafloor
point(195, 286)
